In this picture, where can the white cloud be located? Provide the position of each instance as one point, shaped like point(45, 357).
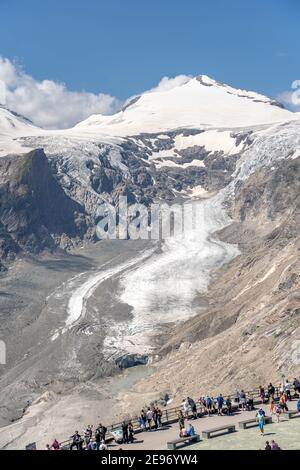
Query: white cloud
point(47, 103)
point(51, 105)
point(291, 98)
point(167, 83)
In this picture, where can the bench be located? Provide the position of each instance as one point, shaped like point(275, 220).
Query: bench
point(291, 413)
point(245, 424)
point(227, 429)
point(183, 440)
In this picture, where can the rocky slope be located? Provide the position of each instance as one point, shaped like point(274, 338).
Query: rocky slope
point(35, 213)
point(250, 332)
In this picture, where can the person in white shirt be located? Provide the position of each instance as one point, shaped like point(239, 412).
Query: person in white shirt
point(149, 417)
point(186, 407)
point(103, 446)
point(287, 388)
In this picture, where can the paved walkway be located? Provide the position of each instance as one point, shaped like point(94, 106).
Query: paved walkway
point(157, 440)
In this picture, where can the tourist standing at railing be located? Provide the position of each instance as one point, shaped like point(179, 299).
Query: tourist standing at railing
point(250, 403)
point(296, 385)
point(77, 441)
point(228, 406)
point(243, 400)
point(125, 432)
point(180, 420)
point(149, 417)
point(220, 402)
point(209, 405)
point(143, 420)
point(271, 391)
point(154, 417)
point(287, 389)
point(236, 397)
point(88, 433)
point(262, 394)
point(159, 417)
point(202, 402)
point(186, 408)
point(130, 432)
point(193, 407)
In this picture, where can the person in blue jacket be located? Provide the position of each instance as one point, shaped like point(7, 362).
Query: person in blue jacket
point(220, 401)
point(191, 430)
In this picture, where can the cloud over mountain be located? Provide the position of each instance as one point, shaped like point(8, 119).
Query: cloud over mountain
point(48, 103)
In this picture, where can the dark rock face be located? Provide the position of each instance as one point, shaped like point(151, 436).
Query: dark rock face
point(35, 213)
point(52, 201)
point(131, 360)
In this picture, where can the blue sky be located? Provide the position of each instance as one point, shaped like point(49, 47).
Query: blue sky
point(123, 47)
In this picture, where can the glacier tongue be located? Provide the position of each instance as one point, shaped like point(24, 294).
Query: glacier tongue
point(166, 288)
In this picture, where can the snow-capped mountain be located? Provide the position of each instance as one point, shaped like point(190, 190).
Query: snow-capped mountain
point(12, 126)
point(200, 102)
point(182, 142)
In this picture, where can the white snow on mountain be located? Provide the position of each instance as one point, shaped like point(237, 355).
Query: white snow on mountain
point(198, 103)
point(276, 143)
point(12, 126)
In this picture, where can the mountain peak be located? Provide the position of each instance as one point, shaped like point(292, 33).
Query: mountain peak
point(196, 103)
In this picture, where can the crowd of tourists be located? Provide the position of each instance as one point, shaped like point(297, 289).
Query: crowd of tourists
point(150, 419)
